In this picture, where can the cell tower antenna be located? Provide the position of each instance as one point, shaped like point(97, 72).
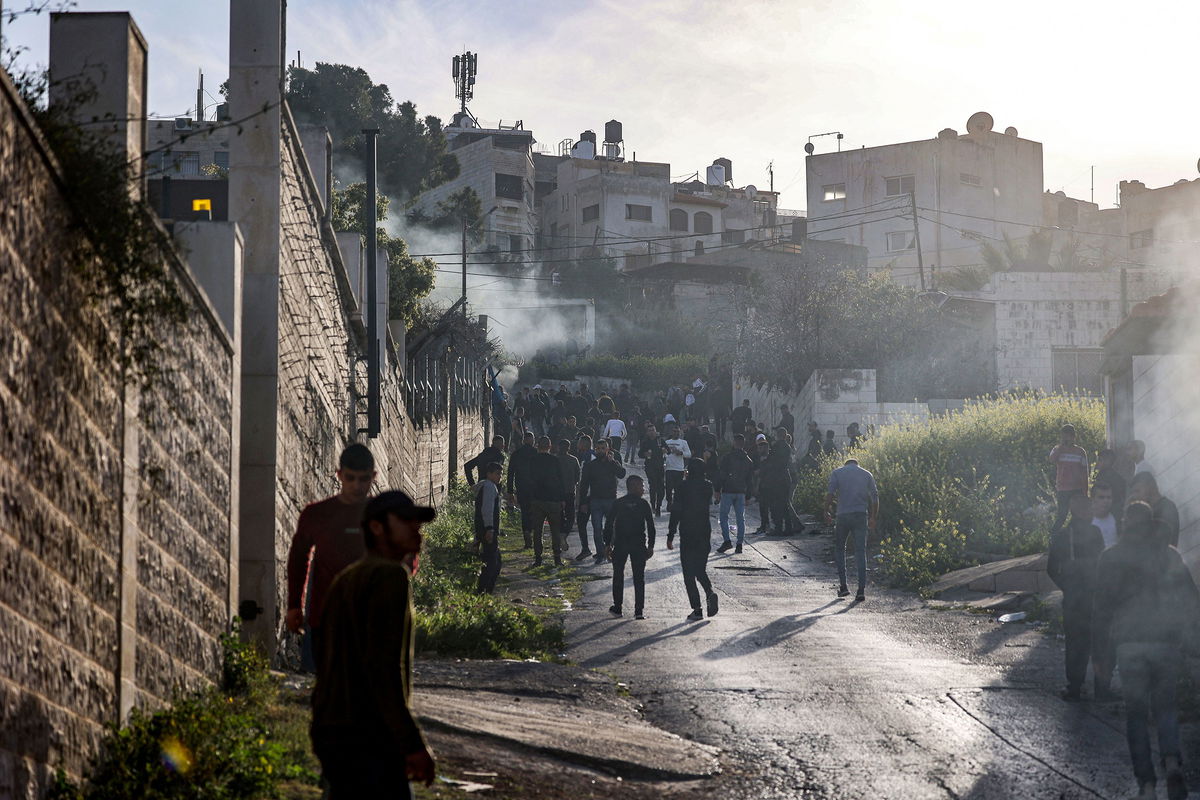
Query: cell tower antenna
point(465, 68)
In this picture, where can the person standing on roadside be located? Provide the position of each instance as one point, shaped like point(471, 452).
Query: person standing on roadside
point(690, 516)
point(629, 536)
point(547, 496)
point(1071, 477)
point(583, 453)
point(853, 489)
point(675, 460)
point(1146, 610)
point(786, 420)
point(330, 531)
point(518, 485)
point(732, 481)
point(487, 526)
point(570, 475)
point(616, 432)
point(598, 491)
point(1137, 456)
point(1108, 474)
point(653, 454)
point(1074, 556)
point(1102, 514)
point(495, 453)
point(1166, 514)
point(363, 729)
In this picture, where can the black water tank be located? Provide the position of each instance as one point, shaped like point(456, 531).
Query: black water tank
point(728, 165)
point(588, 136)
point(612, 131)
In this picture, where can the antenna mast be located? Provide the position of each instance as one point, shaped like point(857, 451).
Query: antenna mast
point(464, 70)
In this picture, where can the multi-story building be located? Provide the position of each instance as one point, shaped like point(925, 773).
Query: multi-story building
point(497, 163)
point(966, 188)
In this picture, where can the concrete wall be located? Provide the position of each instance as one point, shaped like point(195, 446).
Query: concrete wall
point(831, 398)
point(117, 528)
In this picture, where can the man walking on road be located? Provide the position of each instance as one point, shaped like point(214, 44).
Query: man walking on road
point(546, 498)
point(629, 536)
point(731, 483)
point(570, 474)
point(678, 452)
point(598, 491)
point(488, 455)
point(518, 485)
point(1148, 604)
point(853, 489)
point(583, 453)
point(1074, 556)
point(363, 729)
point(689, 514)
point(487, 527)
point(1071, 476)
point(653, 453)
point(331, 532)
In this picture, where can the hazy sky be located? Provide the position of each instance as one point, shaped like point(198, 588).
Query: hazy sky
point(1101, 84)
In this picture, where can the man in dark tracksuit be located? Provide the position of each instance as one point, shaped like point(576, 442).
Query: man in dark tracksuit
point(775, 482)
point(1074, 557)
point(518, 485)
point(546, 497)
point(653, 452)
point(495, 453)
point(570, 473)
point(584, 453)
point(598, 491)
point(690, 514)
point(487, 526)
point(629, 536)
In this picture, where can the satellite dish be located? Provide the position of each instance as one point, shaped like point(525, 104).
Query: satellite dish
point(1010, 131)
point(751, 191)
point(980, 122)
point(808, 148)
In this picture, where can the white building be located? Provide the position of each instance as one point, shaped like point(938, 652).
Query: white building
point(968, 188)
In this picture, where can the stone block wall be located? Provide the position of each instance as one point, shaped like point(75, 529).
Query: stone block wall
point(114, 502)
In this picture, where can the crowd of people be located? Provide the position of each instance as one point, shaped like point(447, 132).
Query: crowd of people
point(1130, 604)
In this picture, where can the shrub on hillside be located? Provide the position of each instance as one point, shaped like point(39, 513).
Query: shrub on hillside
point(960, 484)
point(647, 373)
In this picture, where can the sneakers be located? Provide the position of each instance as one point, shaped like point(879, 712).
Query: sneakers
point(537, 562)
point(695, 616)
point(599, 559)
point(614, 610)
point(843, 591)
point(583, 554)
point(1071, 695)
point(858, 598)
point(1146, 792)
point(639, 615)
point(1176, 785)
point(760, 532)
point(712, 605)
point(737, 550)
point(725, 548)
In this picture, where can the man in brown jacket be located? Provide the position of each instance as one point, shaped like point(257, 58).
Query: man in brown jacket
point(363, 728)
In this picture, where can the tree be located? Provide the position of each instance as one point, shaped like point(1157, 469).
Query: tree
point(409, 279)
point(412, 153)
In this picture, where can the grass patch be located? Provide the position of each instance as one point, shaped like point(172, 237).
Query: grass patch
point(961, 484)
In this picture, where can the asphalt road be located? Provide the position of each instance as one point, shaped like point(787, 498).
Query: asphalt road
point(809, 696)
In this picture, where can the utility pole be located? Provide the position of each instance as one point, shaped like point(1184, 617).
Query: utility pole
point(1093, 183)
point(912, 198)
point(370, 232)
point(464, 263)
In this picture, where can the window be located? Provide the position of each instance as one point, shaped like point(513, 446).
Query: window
point(591, 213)
point(900, 185)
point(188, 164)
point(510, 186)
point(1077, 370)
point(899, 241)
point(969, 179)
point(733, 237)
point(1141, 239)
point(221, 159)
point(636, 212)
point(515, 244)
point(834, 191)
point(678, 219)
point(702, 222)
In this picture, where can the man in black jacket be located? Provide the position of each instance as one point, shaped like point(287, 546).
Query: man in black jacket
point(583, 453)
point(493, 454)
point(518, 485)
point(1144, 487)
point(1148, 607)
point(629, 536)
point(598, 491)
point(774, 486)
point(689, 513)
point(1074, 555)
point(653, 451)
point(546, 498)
point(731, 482)
point(487, 526)
point(570, 474)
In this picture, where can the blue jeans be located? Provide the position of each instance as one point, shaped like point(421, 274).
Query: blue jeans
point(598, 509)
point(853, 523)
point(738, 501)
point(1149, 675)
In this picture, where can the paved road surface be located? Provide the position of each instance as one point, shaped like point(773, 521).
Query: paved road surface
point(814, 697)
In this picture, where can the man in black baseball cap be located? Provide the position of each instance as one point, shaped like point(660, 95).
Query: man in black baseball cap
point(363, 728)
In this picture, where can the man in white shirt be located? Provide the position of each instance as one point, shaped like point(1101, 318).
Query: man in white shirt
point(678, 453)
point(615, 432)
point(1102, 516)
point(1137, 454)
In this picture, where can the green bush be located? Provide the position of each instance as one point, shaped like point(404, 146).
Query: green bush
point(959, 485)
point(647, 373)
point(452, 620)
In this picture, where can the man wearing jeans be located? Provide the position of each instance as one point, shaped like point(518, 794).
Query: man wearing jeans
point(731, 483)
point(857, 498)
